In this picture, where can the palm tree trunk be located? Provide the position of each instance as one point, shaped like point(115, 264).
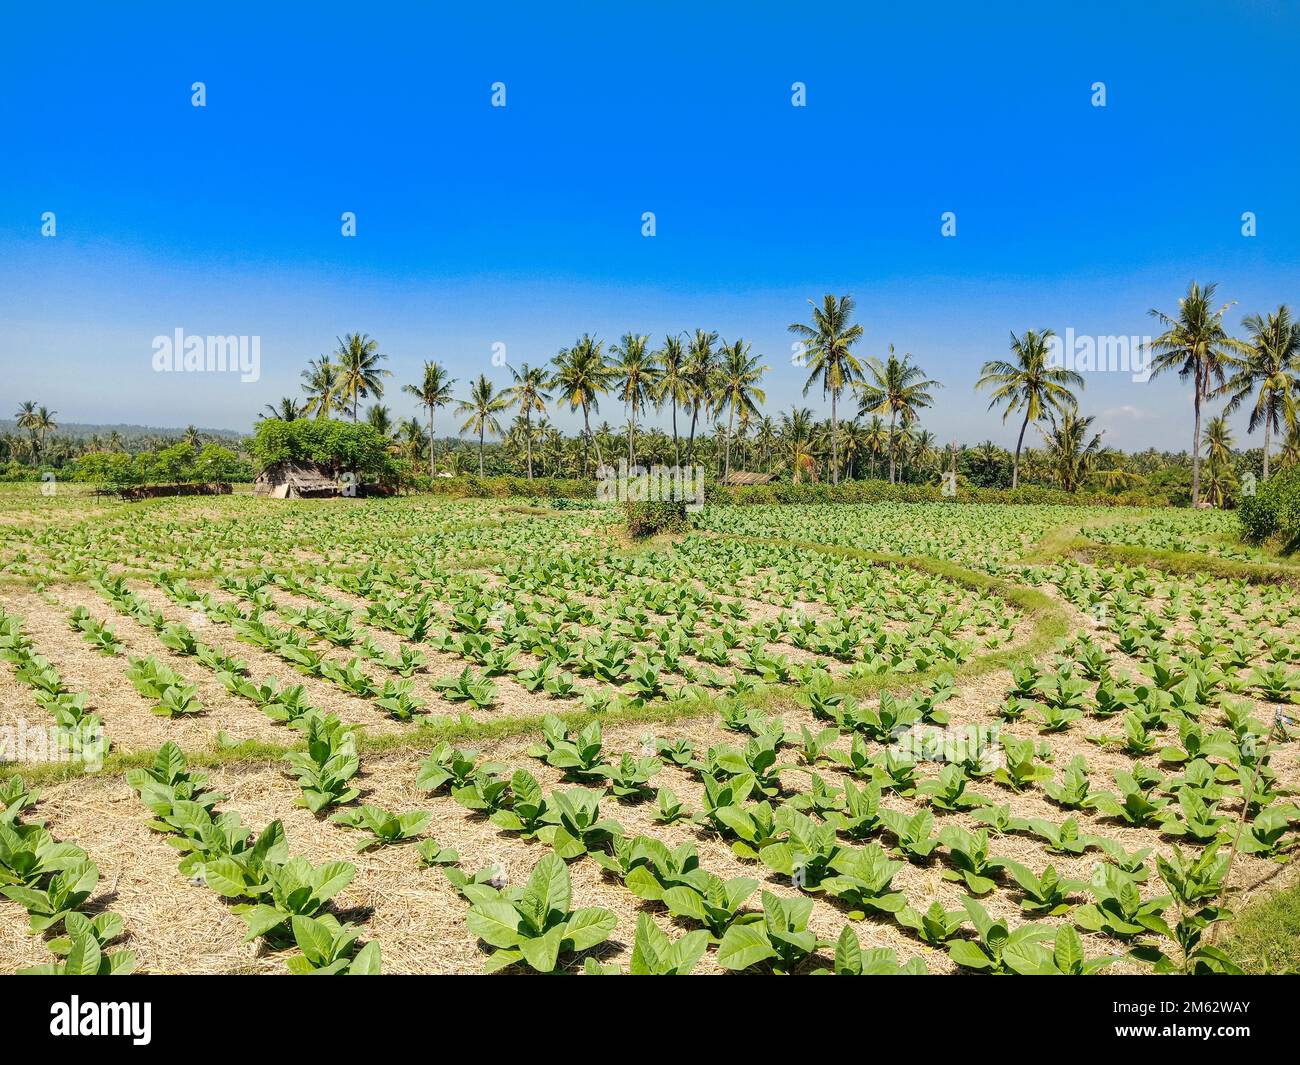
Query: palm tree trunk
point(528, 428)
point(835, 441)
point(1020, 442)
point(1196, 442)
point(893, 454)
point(431, 469)
point(727, 460)
point(1266, 433)
point(677, 450)
point(481, 428)
point(690, 444)
point(631, 439)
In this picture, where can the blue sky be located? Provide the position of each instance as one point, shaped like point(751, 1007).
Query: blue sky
point(522, 225)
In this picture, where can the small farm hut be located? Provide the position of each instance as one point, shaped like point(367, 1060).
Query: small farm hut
point(741, 477)
point(295, 479)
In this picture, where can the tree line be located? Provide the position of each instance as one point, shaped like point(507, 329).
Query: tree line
point(712, 391)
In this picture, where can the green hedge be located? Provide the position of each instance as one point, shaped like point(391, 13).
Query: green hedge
point(884, 492)
point(507, 487)
point(872, 491)
point(178, 464)
point(1274, 510)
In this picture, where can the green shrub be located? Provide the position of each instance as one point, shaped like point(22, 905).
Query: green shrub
point(649, 519)
point(1274, 510)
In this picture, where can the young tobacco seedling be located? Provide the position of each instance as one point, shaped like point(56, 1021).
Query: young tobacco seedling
point(330, 949)
point(852, 960)
point(539, 926)
point(781, 939)
point(385, 828)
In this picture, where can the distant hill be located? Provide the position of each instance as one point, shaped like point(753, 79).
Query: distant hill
point(81, 430)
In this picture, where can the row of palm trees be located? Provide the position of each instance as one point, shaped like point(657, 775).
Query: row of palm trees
point(718, 385)
point(706, 377)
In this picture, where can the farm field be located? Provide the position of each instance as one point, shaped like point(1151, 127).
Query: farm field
point(415, 736)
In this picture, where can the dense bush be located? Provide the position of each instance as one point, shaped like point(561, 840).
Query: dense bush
point(336, 445)
point(178, 464)
point(1274, 510)
point(652, 518)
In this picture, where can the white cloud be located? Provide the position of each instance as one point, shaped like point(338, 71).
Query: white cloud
point(1125, 412)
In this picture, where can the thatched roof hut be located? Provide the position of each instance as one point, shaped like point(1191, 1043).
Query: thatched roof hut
point(295, 479)
point(739, 477)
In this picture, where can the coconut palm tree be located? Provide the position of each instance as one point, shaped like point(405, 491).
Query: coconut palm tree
point(1218, 440)
point(899, 388)
point(413, 441)
point(582, 376)
point(673, 386)
point(322, 381)
point(1196, 344)
point(380, 418)
point(924, 452)
point(765, 439)
point(483, 405)
point(1270, 374)
point(1218, 455)
point(529, 394)
point(828, 345)
point(635, 376)
point(1029, 383)
point(875, 440)
point(797, 438)
point(287, 410)
point(700, 370)
point(42, 423)
point(852, 438)
point(1290, 452)
point(359, 357)
point(433, 391)
point(25, 418)
point(738, 376)
point(1070, 454)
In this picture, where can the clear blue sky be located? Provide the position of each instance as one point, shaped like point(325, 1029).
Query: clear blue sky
point(523, 225)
